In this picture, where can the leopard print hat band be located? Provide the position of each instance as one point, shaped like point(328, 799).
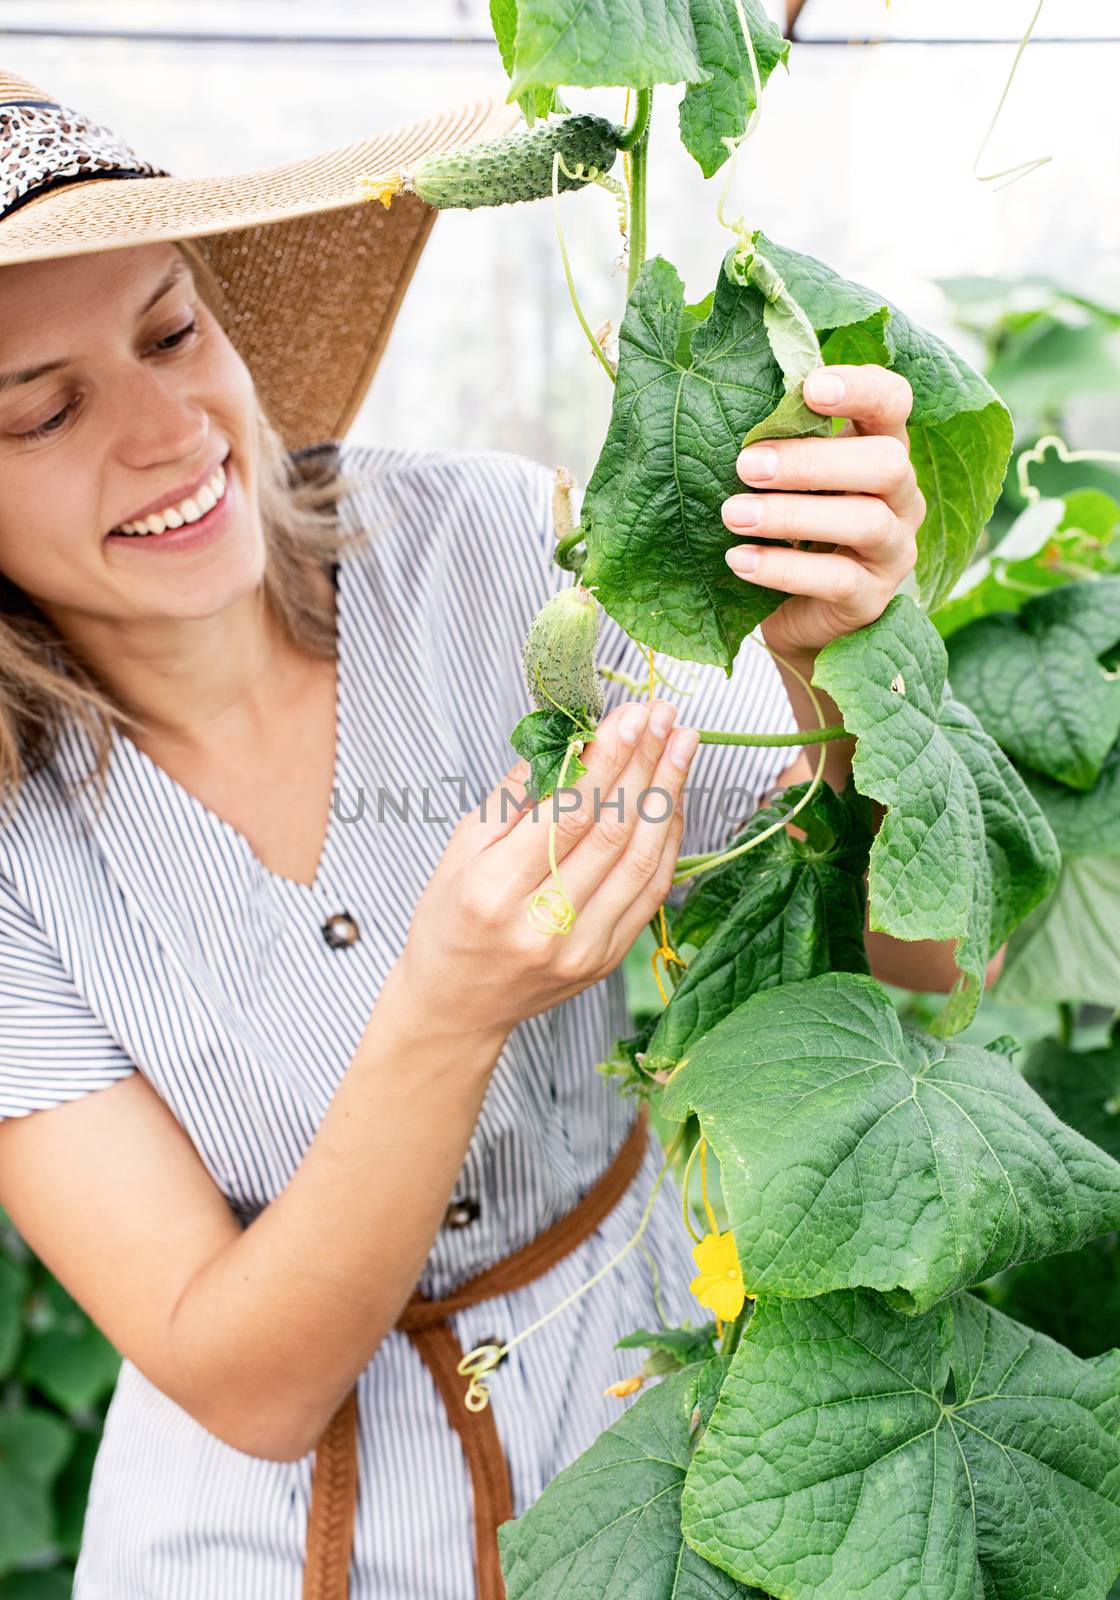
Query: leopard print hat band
point(44, 146)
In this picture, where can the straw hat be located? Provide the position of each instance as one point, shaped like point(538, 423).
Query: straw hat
point(313, 274)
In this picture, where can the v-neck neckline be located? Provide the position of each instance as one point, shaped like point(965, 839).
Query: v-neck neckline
point(318, 887)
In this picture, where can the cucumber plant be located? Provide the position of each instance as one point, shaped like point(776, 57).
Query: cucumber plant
point(864, 1415)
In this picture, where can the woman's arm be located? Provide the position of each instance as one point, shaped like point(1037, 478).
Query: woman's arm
point(260, 1333)
point(257, 1334)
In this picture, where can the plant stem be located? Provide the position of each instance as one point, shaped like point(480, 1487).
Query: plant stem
point(638, 157)
point(564, 547)
point(596, 347)
point(635, 129)
point(735, 1332)
point(773, 740)
point(1065, 1023)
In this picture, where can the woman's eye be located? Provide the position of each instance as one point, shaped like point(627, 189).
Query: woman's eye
point(180, 336)
point(171, 341)
point(51, 425)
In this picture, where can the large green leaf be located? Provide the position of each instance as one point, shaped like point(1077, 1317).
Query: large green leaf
point(1047, 541)
point(1085, 823)
point(1075, 1297)
point(72, 1492)
point(855, 1153)
point(1042, 362)
point(860, 344)
point(637, 43)
point(1036, 680)
point(720, 107)
point(854, 1452)
point(1069, 948)
point(964, 851)
point(609, 1526)
point(65, 1355)
point(796, 348)
point(13, 1293)
point(983, 587)
point(33, 1446)
point(602, 42)
point(54, 1583)
point(73, 1366)
point(1082, 1086)
point(960, 430)
point(537, 102)
point(651, 511)
point(794, 908)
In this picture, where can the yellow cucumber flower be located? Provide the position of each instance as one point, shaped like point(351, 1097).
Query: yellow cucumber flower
point(719, 1283)
point(625, 1386)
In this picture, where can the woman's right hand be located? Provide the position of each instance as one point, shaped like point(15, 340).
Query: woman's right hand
point(472, 955)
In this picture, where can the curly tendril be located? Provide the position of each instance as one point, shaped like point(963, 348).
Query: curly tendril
point(480, 1362)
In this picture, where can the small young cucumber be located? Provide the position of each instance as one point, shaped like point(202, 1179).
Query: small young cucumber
point(559, 655)
point(500, 172)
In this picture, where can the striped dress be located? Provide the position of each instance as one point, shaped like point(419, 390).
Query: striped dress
point(149, 937)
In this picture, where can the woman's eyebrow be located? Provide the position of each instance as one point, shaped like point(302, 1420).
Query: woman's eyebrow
point(12, 380)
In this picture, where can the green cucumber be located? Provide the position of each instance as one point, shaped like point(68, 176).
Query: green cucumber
point(559, 656)
point(500, 172)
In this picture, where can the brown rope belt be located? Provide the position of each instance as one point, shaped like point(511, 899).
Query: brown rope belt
point(334, 1492)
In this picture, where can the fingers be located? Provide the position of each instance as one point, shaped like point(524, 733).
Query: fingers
point(862, 523)
point(629, 835)
point(873, 466)
point(875, 400)
point(858, 593)
point(525, 850)
point(632, 890)
point(495, 815)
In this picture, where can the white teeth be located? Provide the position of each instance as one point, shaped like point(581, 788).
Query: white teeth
point(186, 511)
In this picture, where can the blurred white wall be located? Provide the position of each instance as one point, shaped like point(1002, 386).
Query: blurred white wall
point(863, 156)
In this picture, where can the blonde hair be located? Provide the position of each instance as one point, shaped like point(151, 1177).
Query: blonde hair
point(44, 682)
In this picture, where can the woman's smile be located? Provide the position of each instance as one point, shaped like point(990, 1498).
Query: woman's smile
point(186, 525)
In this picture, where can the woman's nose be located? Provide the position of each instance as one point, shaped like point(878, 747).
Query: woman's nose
point(158, 420)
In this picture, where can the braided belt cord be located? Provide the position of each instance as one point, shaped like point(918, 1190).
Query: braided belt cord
point(334, 1497)
point(334, 1492)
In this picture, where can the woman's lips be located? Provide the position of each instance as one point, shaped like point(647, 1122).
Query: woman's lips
point(191, 534)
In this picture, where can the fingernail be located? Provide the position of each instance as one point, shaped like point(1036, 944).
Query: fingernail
point(682, 746)
point(742, 511)
point(632, 724)
point(743, 558)
point(825, 388)
point(661, 719)
point(757, 463)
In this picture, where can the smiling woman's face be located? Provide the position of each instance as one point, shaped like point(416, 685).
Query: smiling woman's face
point(145, 400)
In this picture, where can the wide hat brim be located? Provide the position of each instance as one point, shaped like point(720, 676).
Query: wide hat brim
point(311, 269)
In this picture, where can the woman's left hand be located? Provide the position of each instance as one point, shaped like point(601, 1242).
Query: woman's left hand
point(864, 523)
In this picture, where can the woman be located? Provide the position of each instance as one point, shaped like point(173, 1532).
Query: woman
point(336, 1068)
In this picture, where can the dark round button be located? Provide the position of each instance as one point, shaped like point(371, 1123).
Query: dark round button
point(461, 1213)
point(493, 1338)
point(341, 930)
